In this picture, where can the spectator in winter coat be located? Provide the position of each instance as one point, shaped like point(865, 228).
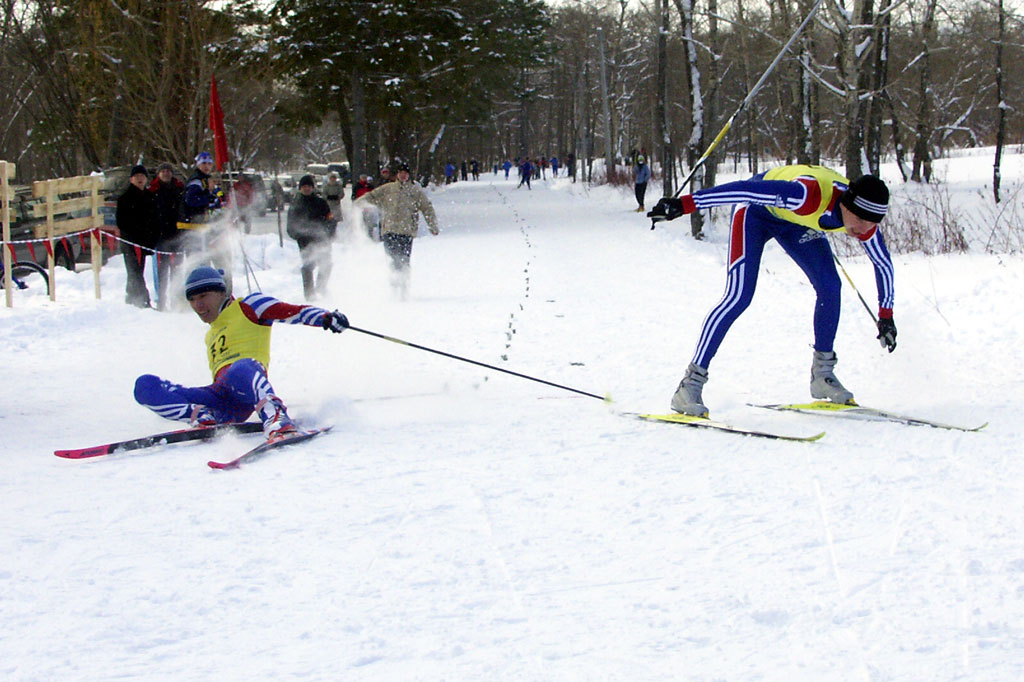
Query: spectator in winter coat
point(311, 224)
point(242, 196)
point(401, 204)
point(370, 223)
point(449, 173)
point(507, 166)
point(333, 190)
point(361, 187)
point(201, 196)
point(199, 203)
point(385, 176)
point(796, 206)
point(641, 174)
point(167, 191)
point(554, 166)
point(238, 350)
point(139, 227)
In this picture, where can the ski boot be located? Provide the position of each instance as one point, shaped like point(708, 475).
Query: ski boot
point(687, 398)
point(824, 385)
point(201, 417)
point(277, 425)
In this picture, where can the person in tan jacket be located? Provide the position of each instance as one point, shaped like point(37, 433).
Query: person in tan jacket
point(401, 204)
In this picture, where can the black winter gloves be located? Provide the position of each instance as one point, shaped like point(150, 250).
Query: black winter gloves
point(887, 333)
point(336, 322)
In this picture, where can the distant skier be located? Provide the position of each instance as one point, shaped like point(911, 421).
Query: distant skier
point(794, 205)
point(641, 174)
point(525, 171)
point(238, 350)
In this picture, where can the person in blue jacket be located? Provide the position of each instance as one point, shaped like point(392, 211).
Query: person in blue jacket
point(796, 206)
point(641, 174)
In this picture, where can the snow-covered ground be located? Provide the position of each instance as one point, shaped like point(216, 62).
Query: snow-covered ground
point(463, 524)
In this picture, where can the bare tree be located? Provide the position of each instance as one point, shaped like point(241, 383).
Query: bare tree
point(1000, 105)
point(923, 131)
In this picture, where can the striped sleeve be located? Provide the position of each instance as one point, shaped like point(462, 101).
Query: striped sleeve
point(884, 271)
point(263, 309)
point(779, 193)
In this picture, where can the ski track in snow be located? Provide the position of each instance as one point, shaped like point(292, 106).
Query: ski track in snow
point(459, 523)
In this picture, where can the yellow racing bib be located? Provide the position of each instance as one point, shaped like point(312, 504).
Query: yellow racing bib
point(820, 188)
point(233, 336)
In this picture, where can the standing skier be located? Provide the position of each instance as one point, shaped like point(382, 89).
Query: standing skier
point(794, 205)
point(238, 350)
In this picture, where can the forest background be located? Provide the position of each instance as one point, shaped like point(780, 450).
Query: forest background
point(95, 84)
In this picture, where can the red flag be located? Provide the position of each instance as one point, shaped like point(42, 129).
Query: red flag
point(220, 140)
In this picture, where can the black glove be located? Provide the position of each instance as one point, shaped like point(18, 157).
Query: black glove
point(667, 208)
point(887, 333)
point(336, 322)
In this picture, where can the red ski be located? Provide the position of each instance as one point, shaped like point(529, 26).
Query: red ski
point(180, 436)
point(261, 450)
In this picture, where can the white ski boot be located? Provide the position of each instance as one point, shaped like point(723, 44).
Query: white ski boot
point(687, 398)
point(277, 425)
point(824, 385)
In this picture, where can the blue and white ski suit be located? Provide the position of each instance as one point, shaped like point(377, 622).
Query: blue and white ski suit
point(795, 205)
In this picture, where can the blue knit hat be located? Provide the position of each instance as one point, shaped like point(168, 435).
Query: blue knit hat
point(204, 157)
point(203, 279)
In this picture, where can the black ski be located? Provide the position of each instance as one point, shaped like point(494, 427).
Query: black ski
point(261, 450)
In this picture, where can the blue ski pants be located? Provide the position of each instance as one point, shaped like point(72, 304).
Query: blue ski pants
point(752, 228)
point(235, 394)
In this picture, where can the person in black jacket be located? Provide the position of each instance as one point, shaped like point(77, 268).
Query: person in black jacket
point(139, 228)
point(167, 191)
point(312, 225)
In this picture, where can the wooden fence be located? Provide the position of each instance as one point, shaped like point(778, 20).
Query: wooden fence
point(69, 206)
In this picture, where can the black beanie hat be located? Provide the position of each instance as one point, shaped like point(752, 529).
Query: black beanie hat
point(307, 180)
point(140, 169)
point(867, 198)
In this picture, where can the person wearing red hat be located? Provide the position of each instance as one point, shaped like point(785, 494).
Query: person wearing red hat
point(794, 205)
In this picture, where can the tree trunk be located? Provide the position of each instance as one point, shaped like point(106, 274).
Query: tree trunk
point(923, 134)
point(881, 83)
point(524, 115)
point(809, 137)
point(609, 159)
point(745, 78)
point(856, 47)
point(357, 153)
point(1000, 105)
point(663, 134)
point(694, 146)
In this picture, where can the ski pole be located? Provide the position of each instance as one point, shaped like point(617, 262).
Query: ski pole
point(746, 100)
point(475, 362)
point(850, 280)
